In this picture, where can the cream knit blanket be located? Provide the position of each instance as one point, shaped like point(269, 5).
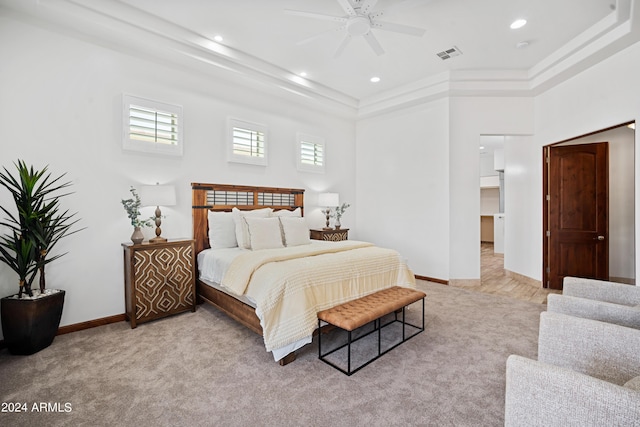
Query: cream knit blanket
point(292, 284)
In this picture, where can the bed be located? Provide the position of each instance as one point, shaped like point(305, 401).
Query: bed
point(276, 288)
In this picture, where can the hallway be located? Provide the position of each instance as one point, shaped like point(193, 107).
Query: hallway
point(494, 279)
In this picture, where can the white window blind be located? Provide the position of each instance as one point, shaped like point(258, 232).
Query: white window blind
point(152, 126)
point(311, 153)
point(247, 142)
point(146, 124)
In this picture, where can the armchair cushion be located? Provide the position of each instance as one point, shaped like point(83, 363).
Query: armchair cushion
point(603, 311)
point(633, 383)
point(541, 394)
point(617, 293)
point(586, 375)
point(602, 350)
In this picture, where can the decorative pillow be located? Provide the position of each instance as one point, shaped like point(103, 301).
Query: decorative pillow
point(222, 230)
point(242, 233)
point(285, 212)
point(264, 233)
point(633, 383)
point(296, 231)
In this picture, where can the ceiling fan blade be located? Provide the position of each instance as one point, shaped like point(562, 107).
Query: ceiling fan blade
point(315, 15)
point(348, 7)
point(373, 42)
point(398, 28)
point(367, 5)
point(345, 41)
point(320, 35)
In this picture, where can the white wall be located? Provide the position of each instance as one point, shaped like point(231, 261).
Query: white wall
point(61, 106)
point(486, 165)
point(622, 252)
point(600, 97)
point(523, 206)
point(402, 169)
point(469, 119)
point(489, 201)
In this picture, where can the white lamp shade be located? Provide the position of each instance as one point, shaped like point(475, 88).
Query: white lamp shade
point(328, 199)
point(158, 195)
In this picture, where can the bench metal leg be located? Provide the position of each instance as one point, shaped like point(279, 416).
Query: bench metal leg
point(349, 354)
point(377, 327)
point(319, 340)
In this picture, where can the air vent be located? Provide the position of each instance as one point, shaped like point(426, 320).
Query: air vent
point(449, 53)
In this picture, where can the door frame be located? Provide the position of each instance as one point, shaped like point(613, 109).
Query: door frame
point(545, 185)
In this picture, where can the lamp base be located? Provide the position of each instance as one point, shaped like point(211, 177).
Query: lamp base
point(157, 239)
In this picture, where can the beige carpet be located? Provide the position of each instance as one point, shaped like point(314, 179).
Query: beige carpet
point(204, 369)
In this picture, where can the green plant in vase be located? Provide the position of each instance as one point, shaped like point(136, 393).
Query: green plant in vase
point(132, 207)
point(339, 211)
point(30, 319)
point(38, 225)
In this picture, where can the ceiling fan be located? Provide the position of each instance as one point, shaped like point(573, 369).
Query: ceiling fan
point(359, 20)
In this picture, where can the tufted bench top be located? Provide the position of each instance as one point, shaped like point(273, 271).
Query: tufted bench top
point(353, 314)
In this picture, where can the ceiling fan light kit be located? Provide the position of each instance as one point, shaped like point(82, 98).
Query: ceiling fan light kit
point(358, 25)
point(359, 21)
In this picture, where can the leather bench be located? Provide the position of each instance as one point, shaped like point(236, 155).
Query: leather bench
point(362, 311)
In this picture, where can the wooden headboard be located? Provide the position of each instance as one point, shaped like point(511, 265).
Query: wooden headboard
point(222, 198)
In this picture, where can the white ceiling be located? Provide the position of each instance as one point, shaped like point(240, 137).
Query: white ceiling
point(480, 29)
point(260, 39)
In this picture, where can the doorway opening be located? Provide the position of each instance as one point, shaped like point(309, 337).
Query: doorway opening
point(491, 207)
point(589, 207)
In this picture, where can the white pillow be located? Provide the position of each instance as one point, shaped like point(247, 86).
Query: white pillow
point(296, 231)
point(264, 233)
point(222, 230)
point(285, 212)
point(242, 234)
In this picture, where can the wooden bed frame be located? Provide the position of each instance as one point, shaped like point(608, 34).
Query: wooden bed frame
point(223, 198)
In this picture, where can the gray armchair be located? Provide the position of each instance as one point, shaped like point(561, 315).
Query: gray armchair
point(585, 375)
point(598, 300)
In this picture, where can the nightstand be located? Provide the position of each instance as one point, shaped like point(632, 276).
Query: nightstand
point(331, 235)
point(159, 279)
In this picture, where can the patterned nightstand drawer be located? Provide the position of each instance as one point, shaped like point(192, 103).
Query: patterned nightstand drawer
point(331, 235)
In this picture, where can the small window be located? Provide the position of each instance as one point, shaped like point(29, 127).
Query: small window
point(247, 142)
point(311, 153)
point(151, 126)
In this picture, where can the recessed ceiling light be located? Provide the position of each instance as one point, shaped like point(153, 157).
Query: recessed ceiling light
point(482, 147)
point(303, 74)
point(218, 38)
point(374, 79)
point(518, 23)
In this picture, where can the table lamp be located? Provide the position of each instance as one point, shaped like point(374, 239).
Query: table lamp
point(328, 200)
point(158, 195)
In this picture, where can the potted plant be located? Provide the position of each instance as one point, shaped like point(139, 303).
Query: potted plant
point(30, 319)
point(132, 207)
point(339, 212)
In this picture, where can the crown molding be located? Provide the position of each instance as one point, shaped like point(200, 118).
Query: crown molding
point(131, 30)
point(611, 35)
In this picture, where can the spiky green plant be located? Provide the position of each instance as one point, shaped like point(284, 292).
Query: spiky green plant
point(38, 225)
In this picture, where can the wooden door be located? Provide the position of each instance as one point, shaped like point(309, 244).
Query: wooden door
point(577, 241)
